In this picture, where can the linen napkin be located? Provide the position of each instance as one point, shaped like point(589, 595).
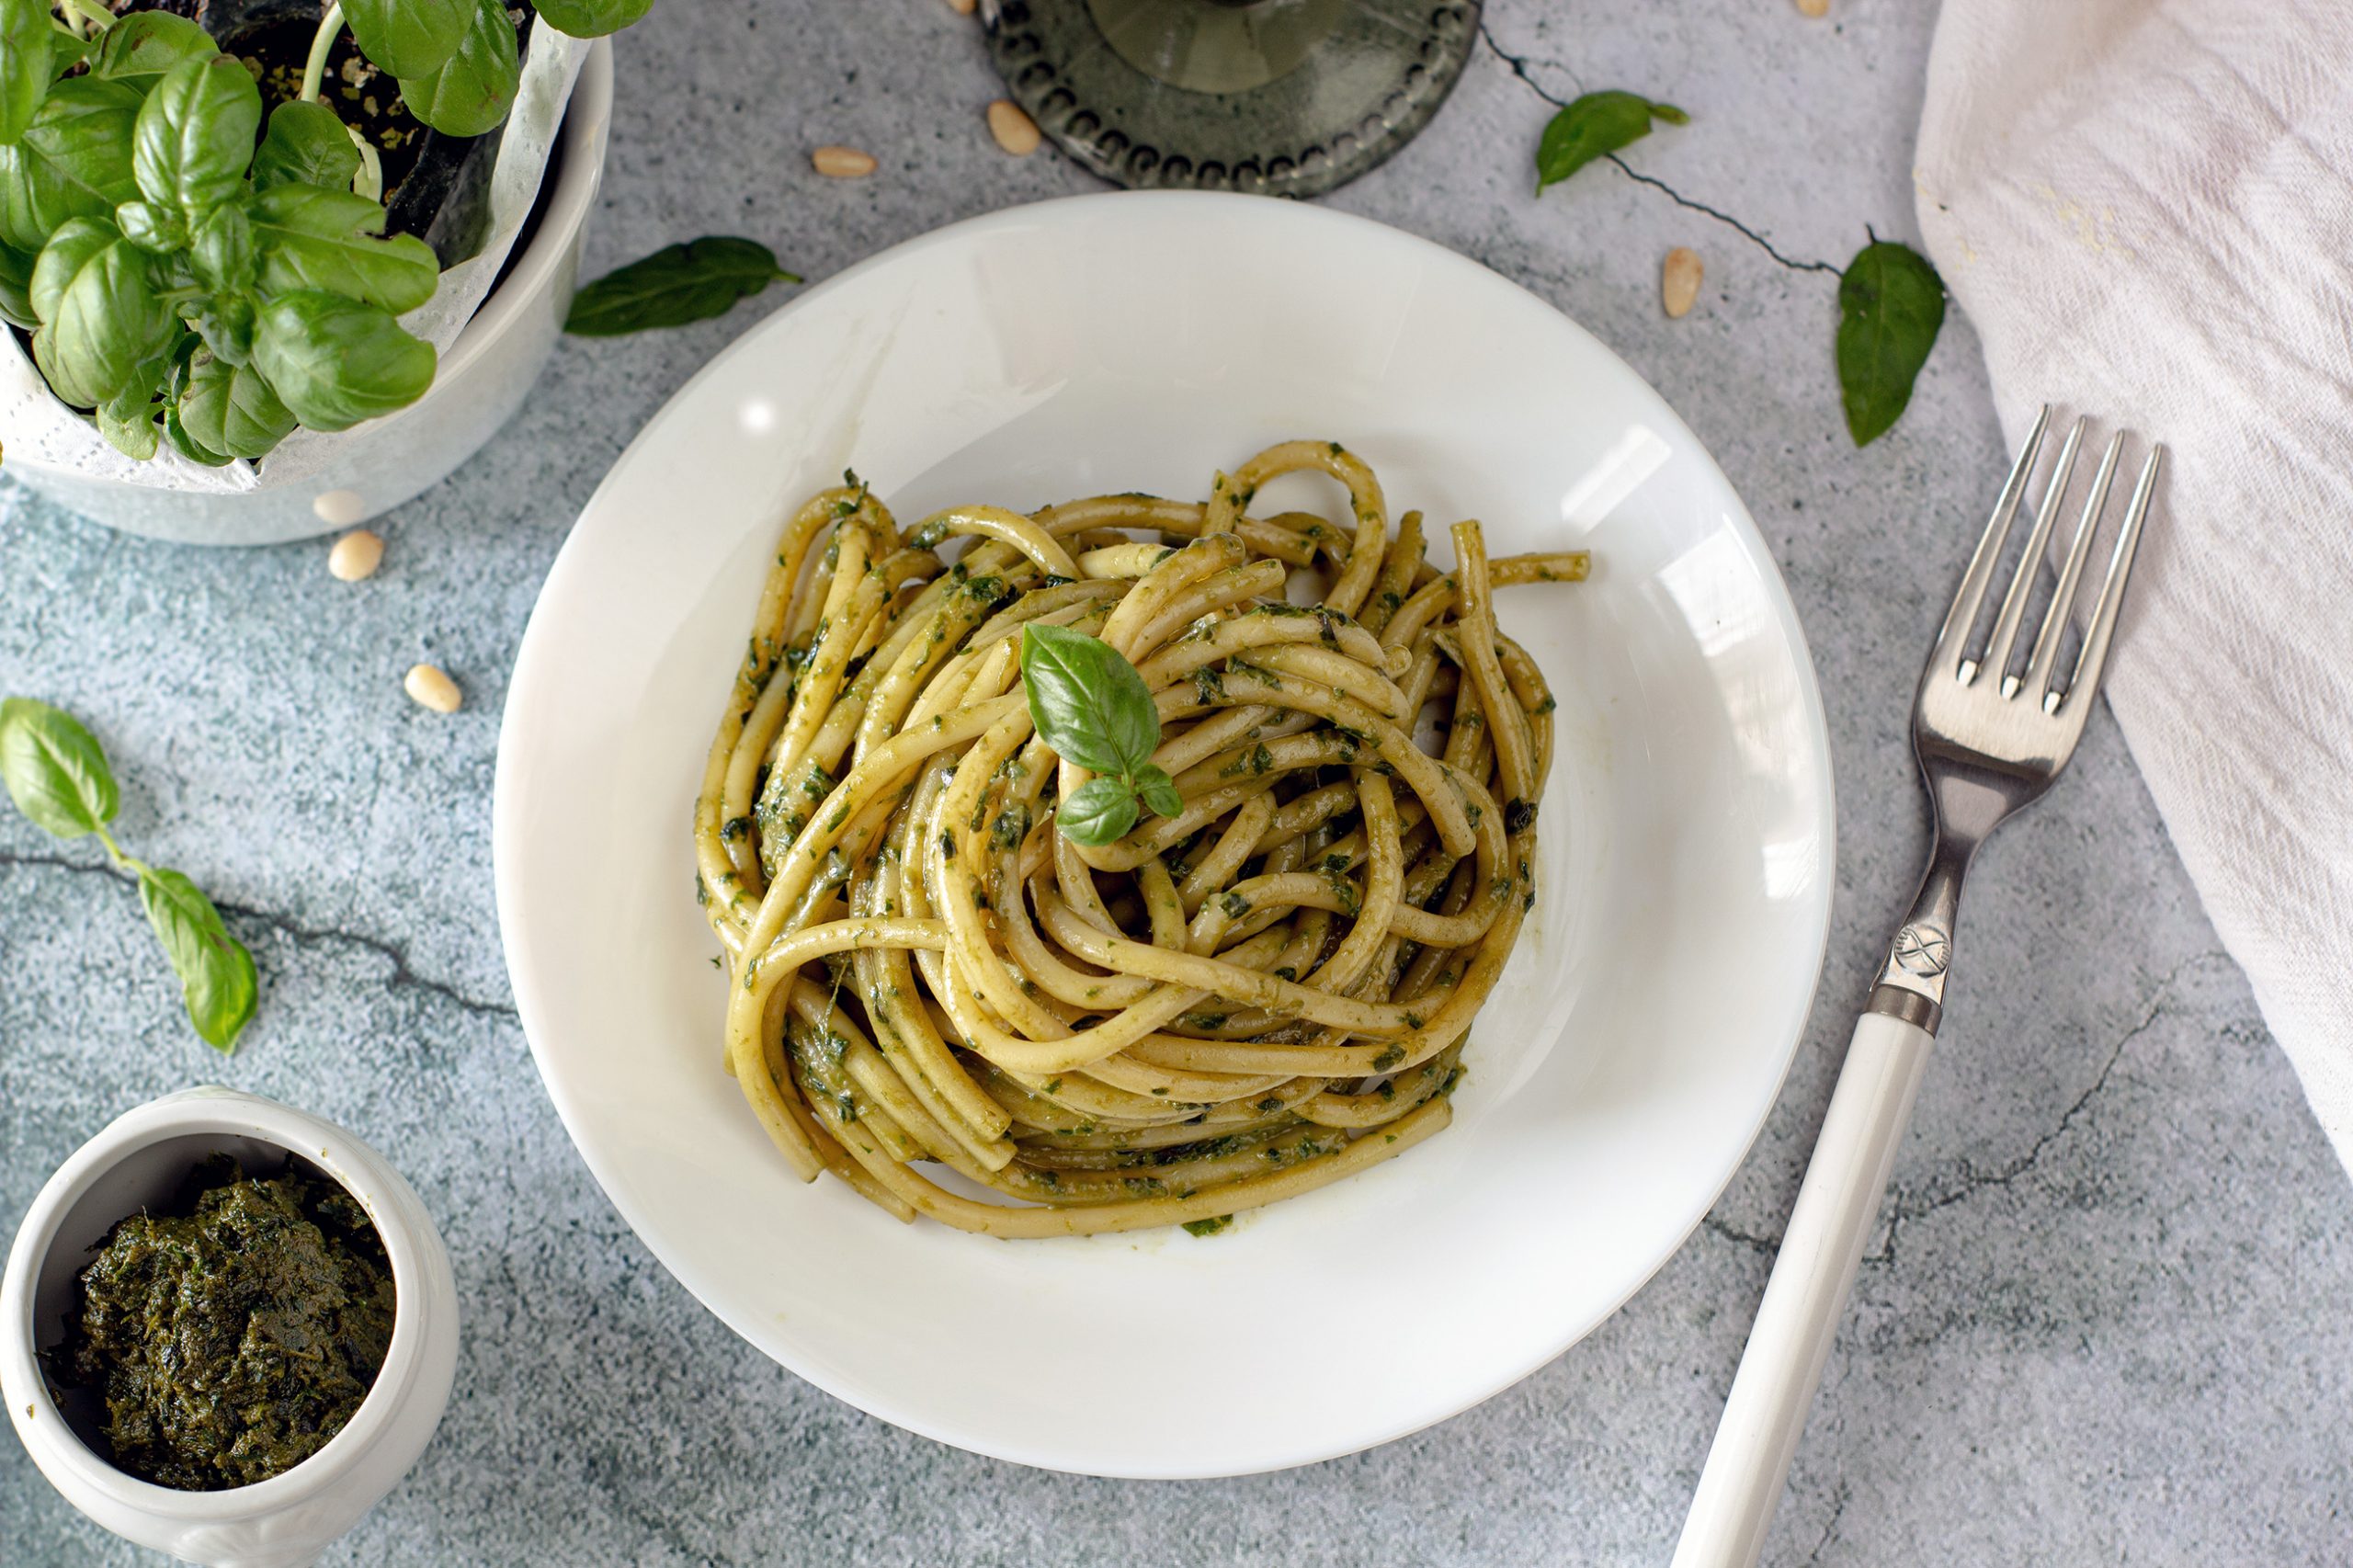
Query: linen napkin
point(2145, 208)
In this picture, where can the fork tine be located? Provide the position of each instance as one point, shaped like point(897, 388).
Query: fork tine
point(2094, 657)
point(2038, 540)
point(2070, 574)
point(1965, 603)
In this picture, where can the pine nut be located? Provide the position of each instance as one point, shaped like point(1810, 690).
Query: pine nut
point(433, 690)
point(842, 162)
point(356, 555)
point(1014, 129)
point(1678, 281)
point(1813, 7)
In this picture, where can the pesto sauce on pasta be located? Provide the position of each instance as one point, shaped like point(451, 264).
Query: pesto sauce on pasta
point(1263, 993)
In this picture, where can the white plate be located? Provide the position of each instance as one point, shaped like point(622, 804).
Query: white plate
point(1140, 342)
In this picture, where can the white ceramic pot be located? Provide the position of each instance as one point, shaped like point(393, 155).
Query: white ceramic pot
point(141, 1158)
point(480, 382)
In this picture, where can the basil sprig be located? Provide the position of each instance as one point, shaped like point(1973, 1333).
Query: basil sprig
point(1594, 126)
point(58, 776)
point(1095, 711)
point(1891, 307)
point(675, 285)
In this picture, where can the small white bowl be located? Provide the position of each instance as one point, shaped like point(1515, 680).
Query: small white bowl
point(141, 1158)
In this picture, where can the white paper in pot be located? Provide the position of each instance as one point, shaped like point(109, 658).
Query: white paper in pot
point(36, 426)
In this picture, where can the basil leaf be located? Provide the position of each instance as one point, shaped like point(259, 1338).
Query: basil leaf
point(591, 19)
point(194, 134)
point(54, 769)
point(76, 240)
point(146, 46)
point(306, 145)
point(230, 409)
point(104, 318)
point(1159, 790)
point(675, 285)
point(128, 421)
point(217, 978)
point(221, 251)
point(335, 361)
point(1891, 307)
point(73, 161)
point(1593, 126)
point(176, 435)
point(66, 51)
point(314, 238)
point(408, 38)
point(226, 324)
point(25, 64)
point(1087, 701)
point(17, 288)
point(1098, 811)
point(471, 92)
point(158, 231)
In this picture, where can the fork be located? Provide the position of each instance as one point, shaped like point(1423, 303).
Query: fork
point(1989, 741)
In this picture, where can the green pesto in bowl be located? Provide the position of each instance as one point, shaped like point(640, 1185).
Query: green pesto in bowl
point(229, 1340)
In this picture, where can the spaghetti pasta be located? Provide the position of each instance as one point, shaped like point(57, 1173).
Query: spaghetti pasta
point(1247, 998)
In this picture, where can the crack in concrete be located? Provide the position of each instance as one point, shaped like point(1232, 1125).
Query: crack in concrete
point(1520, 67)
point(391, 952)
point(1759, 241)
point(1837, 1507)
point(1518, 63)
point(1767, 1247)
point(1971, 1182)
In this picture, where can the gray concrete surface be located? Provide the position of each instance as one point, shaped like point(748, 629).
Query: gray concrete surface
point(2106, 1321)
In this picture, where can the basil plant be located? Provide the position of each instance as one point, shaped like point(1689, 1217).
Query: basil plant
point(203, 275)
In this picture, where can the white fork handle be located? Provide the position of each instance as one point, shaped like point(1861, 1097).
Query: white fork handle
point(1837, 1207)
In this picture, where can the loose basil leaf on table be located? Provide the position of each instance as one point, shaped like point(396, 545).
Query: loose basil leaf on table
point(305, 144)
point(73, 161)
point(54, 769)
point(1594, 126)
point(145, 47)
point(102, 316)
point(471, 92)
point(675, 285)
point(194, 134)
point(230, 409)
point(313, 238)
point(1891, 307)
point(592, 18)
point(1098, 811)
point(335, 361)
point(217, 978)
point(408, 38)
point(25, 64)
